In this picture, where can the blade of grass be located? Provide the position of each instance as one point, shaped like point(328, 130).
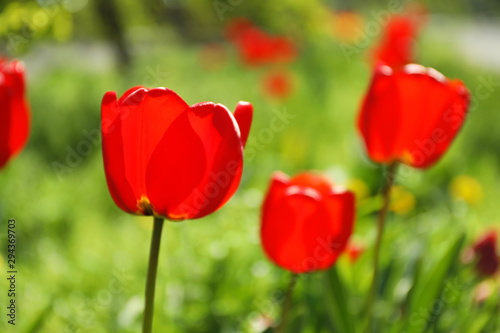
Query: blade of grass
point(426, 297)
point(336, 302)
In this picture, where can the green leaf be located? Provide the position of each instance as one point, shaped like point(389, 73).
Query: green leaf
point(426, 301)
point(336, 302)
point(480, 322)
point(297, 321)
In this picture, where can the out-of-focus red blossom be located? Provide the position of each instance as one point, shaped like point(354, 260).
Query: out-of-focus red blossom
point(306, 222)
point(278, 84)
point(236, 27)
point(14, 110)
point(347, 25)
point(285, 50)
point(485, 250)
point(213, 56)
point(397, 46)
point(354, 251)
point(165, 158)
point(256, 47)
point(411, 115)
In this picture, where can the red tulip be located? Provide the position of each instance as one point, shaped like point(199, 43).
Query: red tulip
point(354, 251)
point(485, 250)
point(284, 50)
point(165, 158)
point(256, 47)
point(411, 115)
point(14, 110)
point(306, 222)
point(278, 84)
point(396, 48)
point(236, 28)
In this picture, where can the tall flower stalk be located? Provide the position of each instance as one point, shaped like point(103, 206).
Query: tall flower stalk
point(147, 325)
point(386, 194)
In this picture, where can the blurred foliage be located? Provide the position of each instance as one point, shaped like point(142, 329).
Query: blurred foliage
point(23, 22)
point(83, 261)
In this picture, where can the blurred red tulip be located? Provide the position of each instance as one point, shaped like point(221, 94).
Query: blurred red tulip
point(396, 48)
point(256, 47)
point(354, 251)
point(236, 28)
point(165, 158)
point(485, 250)
point(411, 115)
point(278, 84)
point(14, 110)
point(306, 222)
point(284, 50)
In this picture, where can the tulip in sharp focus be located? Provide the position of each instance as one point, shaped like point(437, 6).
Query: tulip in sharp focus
point(165, 158)
point(306, 222)
point(411, 115)
point(14, 110)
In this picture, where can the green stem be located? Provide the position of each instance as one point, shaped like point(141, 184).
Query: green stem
point(287, 303)
point(147, 325)
point(386, 192)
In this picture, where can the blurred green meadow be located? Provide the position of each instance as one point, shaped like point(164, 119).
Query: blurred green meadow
point(82, 261)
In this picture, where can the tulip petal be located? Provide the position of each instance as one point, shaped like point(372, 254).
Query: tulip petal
point(279, 183)
point(317, 182)
point(5, 128)
point(445, 116)
point(15, 123)
point(434, 108)
point(243, 115)
point(197, 165)
point(145, 116)
point(287, 226)
point(341, 209)
point(380, 117)
point(20, 121)
point(113, 155)
point(128, 93)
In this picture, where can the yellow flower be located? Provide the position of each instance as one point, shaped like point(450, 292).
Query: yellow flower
point(402, 201)
point(467, 189)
